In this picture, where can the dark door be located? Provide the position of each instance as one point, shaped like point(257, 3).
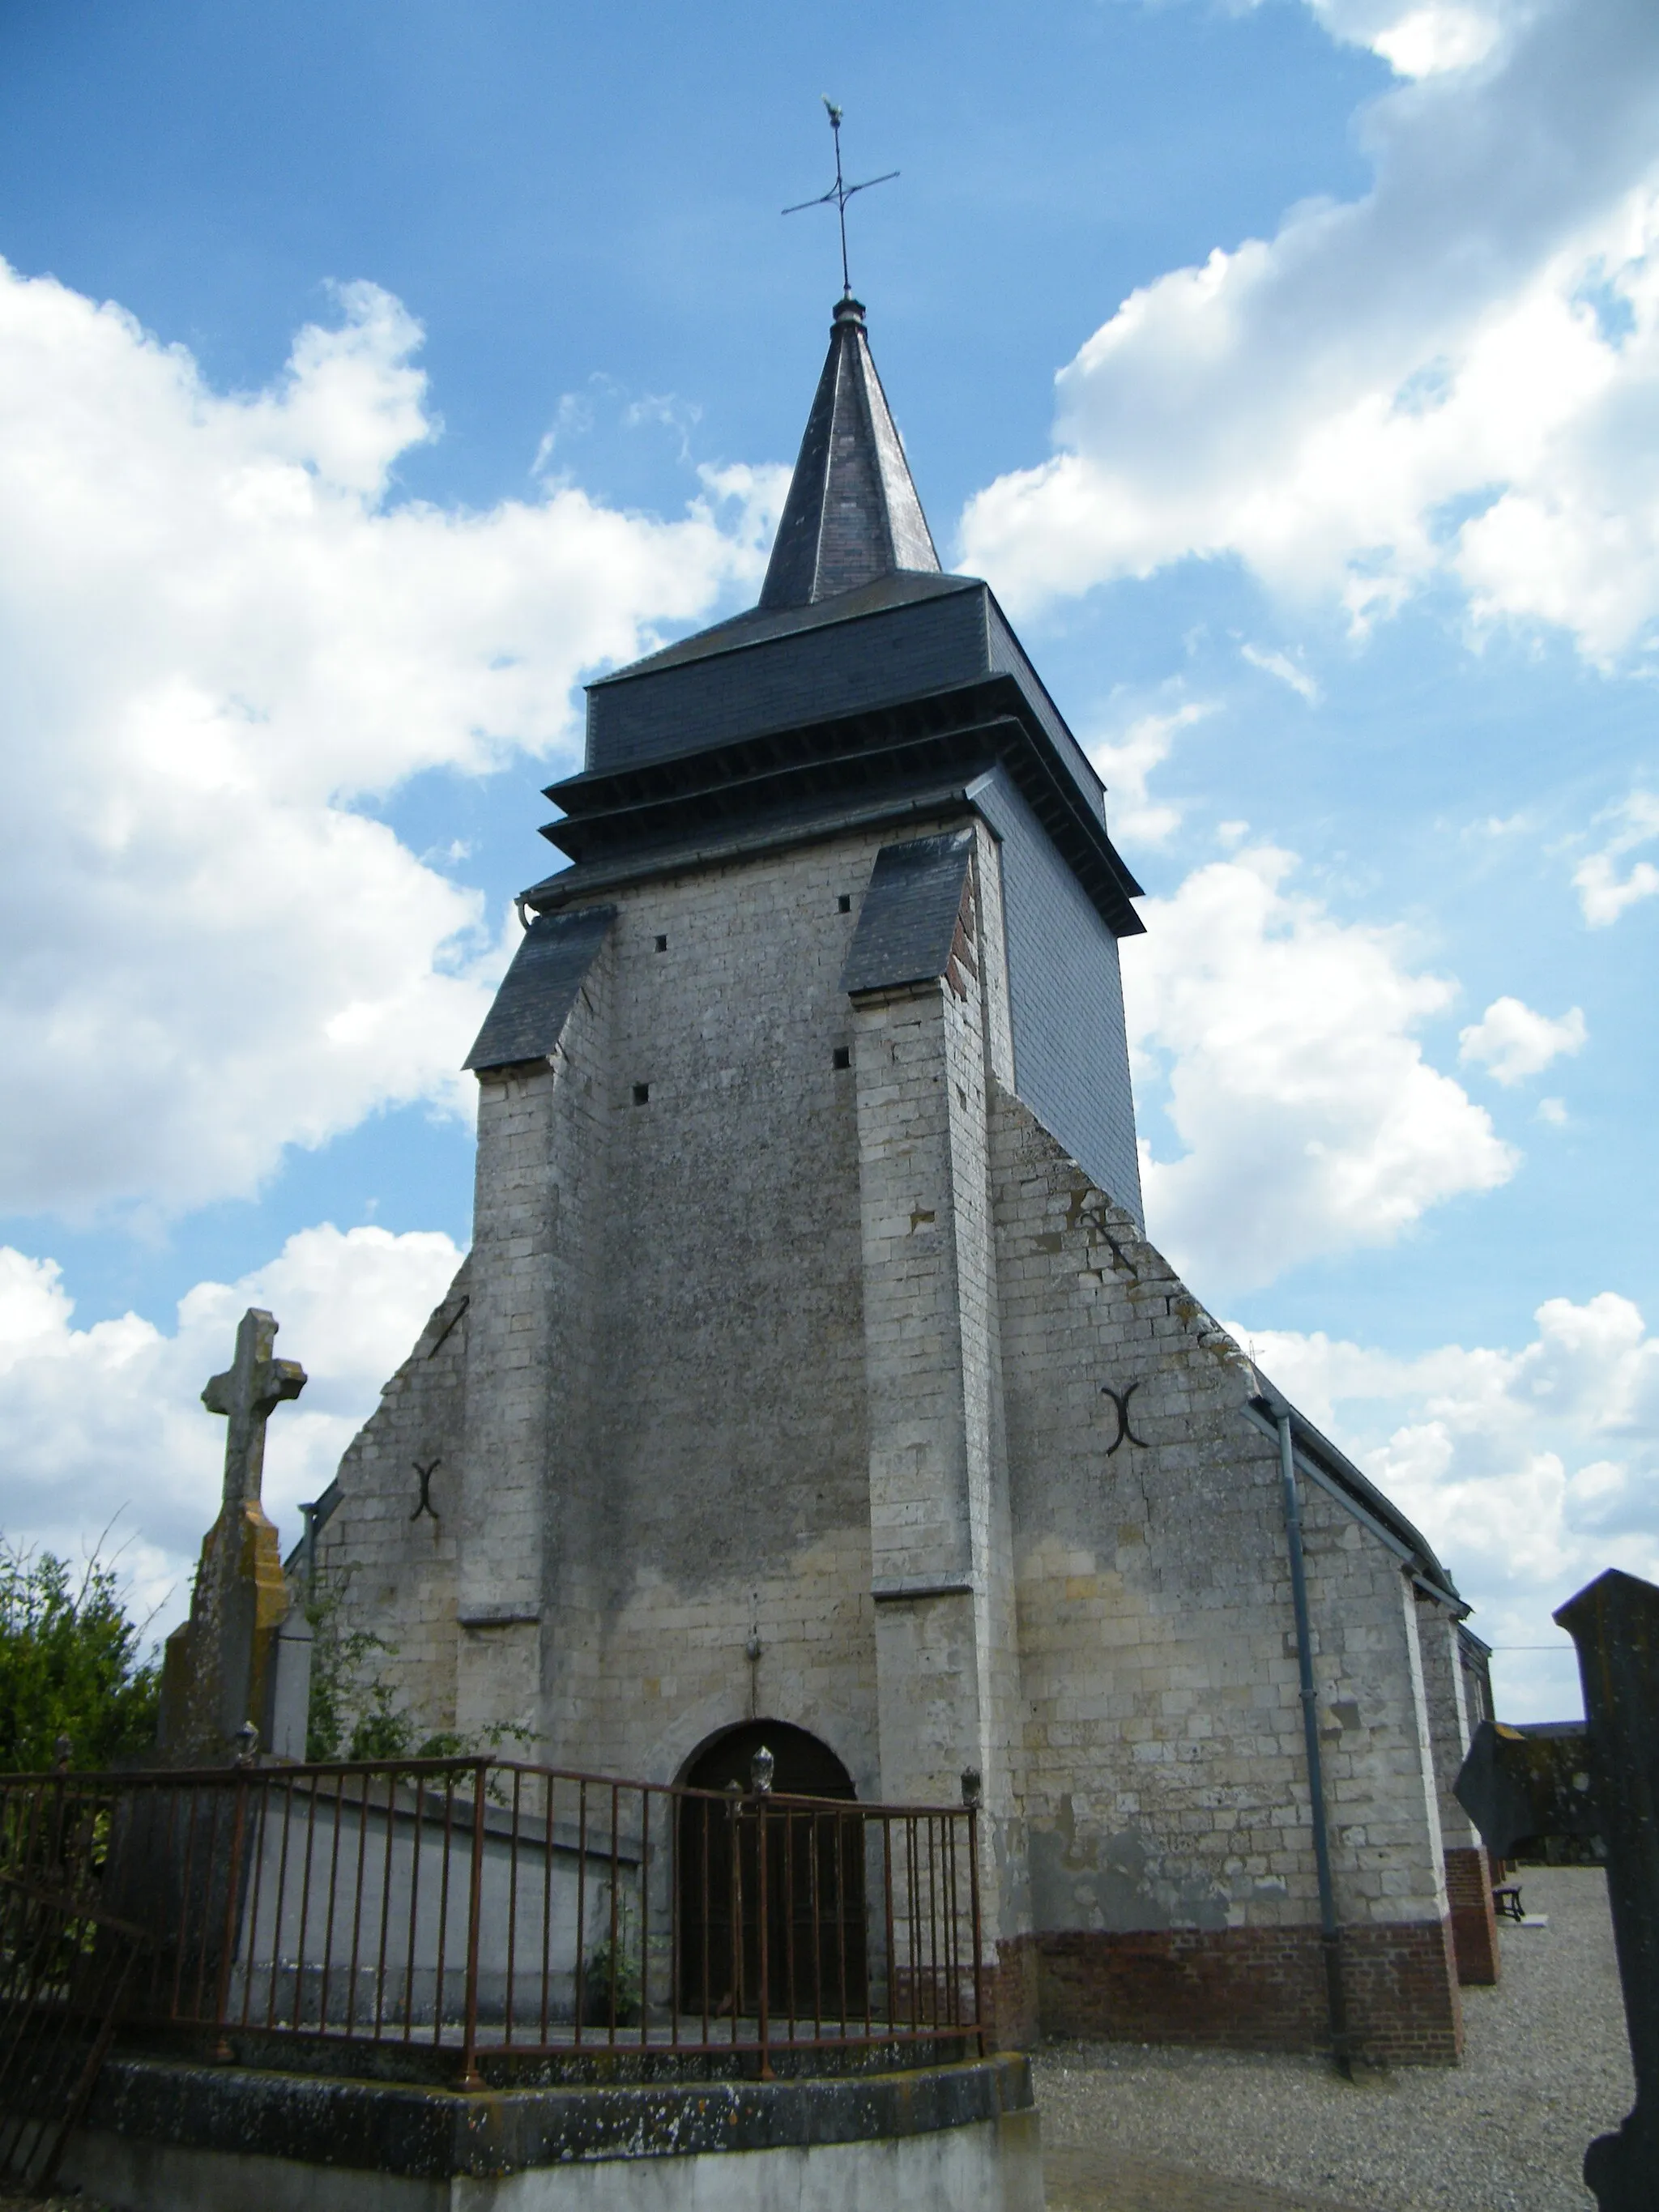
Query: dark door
point(814, 1924)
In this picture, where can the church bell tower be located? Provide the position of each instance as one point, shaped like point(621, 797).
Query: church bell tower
point(811, 1373)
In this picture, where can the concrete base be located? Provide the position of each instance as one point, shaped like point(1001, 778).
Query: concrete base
point(167, 2137)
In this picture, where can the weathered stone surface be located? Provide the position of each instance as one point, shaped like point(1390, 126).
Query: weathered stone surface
point(951, 2138)
point(219, 1669)
point(789, 1329)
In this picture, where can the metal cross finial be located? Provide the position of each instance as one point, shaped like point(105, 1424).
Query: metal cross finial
point(839, 194)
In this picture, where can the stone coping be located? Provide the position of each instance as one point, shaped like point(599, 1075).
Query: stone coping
point(429, 2133)
point(590, 2064)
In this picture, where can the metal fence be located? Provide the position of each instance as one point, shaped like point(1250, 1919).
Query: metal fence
point(478, 1905)
point(66, 1968)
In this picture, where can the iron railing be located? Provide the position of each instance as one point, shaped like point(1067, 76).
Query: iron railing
point(479, 1906)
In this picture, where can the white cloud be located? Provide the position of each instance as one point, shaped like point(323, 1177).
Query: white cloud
point(1513, 1041)
point(1529, 1472)
point(1456, 377)
point(1274, 663)
point(105, 1425)
point(1553, 1111)
point(1310, 1121)
point(217, 630)
point(1603, 893)
point(1420, 38)
point(1124, 763)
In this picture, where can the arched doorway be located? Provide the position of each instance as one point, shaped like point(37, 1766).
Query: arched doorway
point(814, 1948)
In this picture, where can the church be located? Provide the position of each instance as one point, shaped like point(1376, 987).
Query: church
point(812, 1378)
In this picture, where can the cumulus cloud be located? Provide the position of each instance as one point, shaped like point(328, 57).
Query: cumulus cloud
point(219, 628)
point(105, 1427)
point(1514, 1042)
point(1124, 765)
point(1421, 38)
point(1455, 378)
point(1603, 891)
point(1530, 1471)
point(1285, 1038)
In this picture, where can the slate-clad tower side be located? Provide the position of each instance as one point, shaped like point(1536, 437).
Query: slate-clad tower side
point(810, 1365)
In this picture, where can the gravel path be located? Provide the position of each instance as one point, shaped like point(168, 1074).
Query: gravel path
point(1136, 2128)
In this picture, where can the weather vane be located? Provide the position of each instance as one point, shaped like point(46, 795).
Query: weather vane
point(839, 194)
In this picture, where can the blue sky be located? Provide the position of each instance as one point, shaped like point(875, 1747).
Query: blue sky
point(369, 374)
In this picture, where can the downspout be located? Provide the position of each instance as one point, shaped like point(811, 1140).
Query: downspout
point(1330, 1936)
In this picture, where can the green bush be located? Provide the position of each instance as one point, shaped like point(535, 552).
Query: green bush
point(69, 1665)
point(620, 1967)
point(352, 1715)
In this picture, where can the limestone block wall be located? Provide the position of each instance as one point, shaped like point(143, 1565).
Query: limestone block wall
point(386, 1569)
point(947, 1664)
point(539, 1216)
point(1469, 1872)
point(1174, 1883)
point(722, 1492)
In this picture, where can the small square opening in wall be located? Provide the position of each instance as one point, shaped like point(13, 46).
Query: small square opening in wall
point(642, 1094)
point(662, 944)
point(844, 903)
point(842, 1056)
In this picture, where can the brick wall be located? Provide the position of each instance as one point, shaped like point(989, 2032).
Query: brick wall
point(1474, 1921)
point(1255, 1989)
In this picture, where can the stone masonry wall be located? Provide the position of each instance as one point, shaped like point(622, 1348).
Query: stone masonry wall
point(386, 1570)
point(940, 1518)
point(724, 1486)
point(1468, 1878)
point(538, 1220)
point(1166, 1789)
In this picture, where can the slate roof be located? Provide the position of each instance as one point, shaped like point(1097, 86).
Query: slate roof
point(851, 514)
point(864, 676)
point(908, 916)
point(539, 990)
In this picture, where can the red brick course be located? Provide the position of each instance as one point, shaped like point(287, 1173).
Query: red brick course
point(1011, 1994)
point(1257, 1988)
point(1475, 1924)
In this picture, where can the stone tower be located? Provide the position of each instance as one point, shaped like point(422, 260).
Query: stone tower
point(811, 1364)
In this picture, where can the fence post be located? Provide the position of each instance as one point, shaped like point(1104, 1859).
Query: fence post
point(470, 2077)
point(222, 2050)
point(763, 1994)
point(972, 1796)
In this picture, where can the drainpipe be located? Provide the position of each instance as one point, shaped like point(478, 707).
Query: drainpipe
point(1330, 1937)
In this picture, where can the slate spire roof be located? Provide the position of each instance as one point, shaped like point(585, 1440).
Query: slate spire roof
point(852, 515)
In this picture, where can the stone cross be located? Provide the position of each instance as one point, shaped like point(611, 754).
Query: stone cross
point(241, 1662)
point(248, 1393)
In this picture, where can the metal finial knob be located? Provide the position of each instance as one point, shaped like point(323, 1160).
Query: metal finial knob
point(247, 1744)
point(759, 1772)
point(973, 1786)
point(62, 1753)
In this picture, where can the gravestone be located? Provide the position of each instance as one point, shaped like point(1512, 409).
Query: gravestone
point(1615, 1622)
point(241, 1659)
point(1599, 1781)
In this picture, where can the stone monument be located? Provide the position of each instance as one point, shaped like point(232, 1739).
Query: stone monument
point(242, 1660)
point(1601, 1781)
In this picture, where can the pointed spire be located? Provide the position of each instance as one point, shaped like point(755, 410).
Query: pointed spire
point(851, 514)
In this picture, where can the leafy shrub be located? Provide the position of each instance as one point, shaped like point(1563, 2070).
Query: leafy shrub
point(69, 1665)
point(621, 1968)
